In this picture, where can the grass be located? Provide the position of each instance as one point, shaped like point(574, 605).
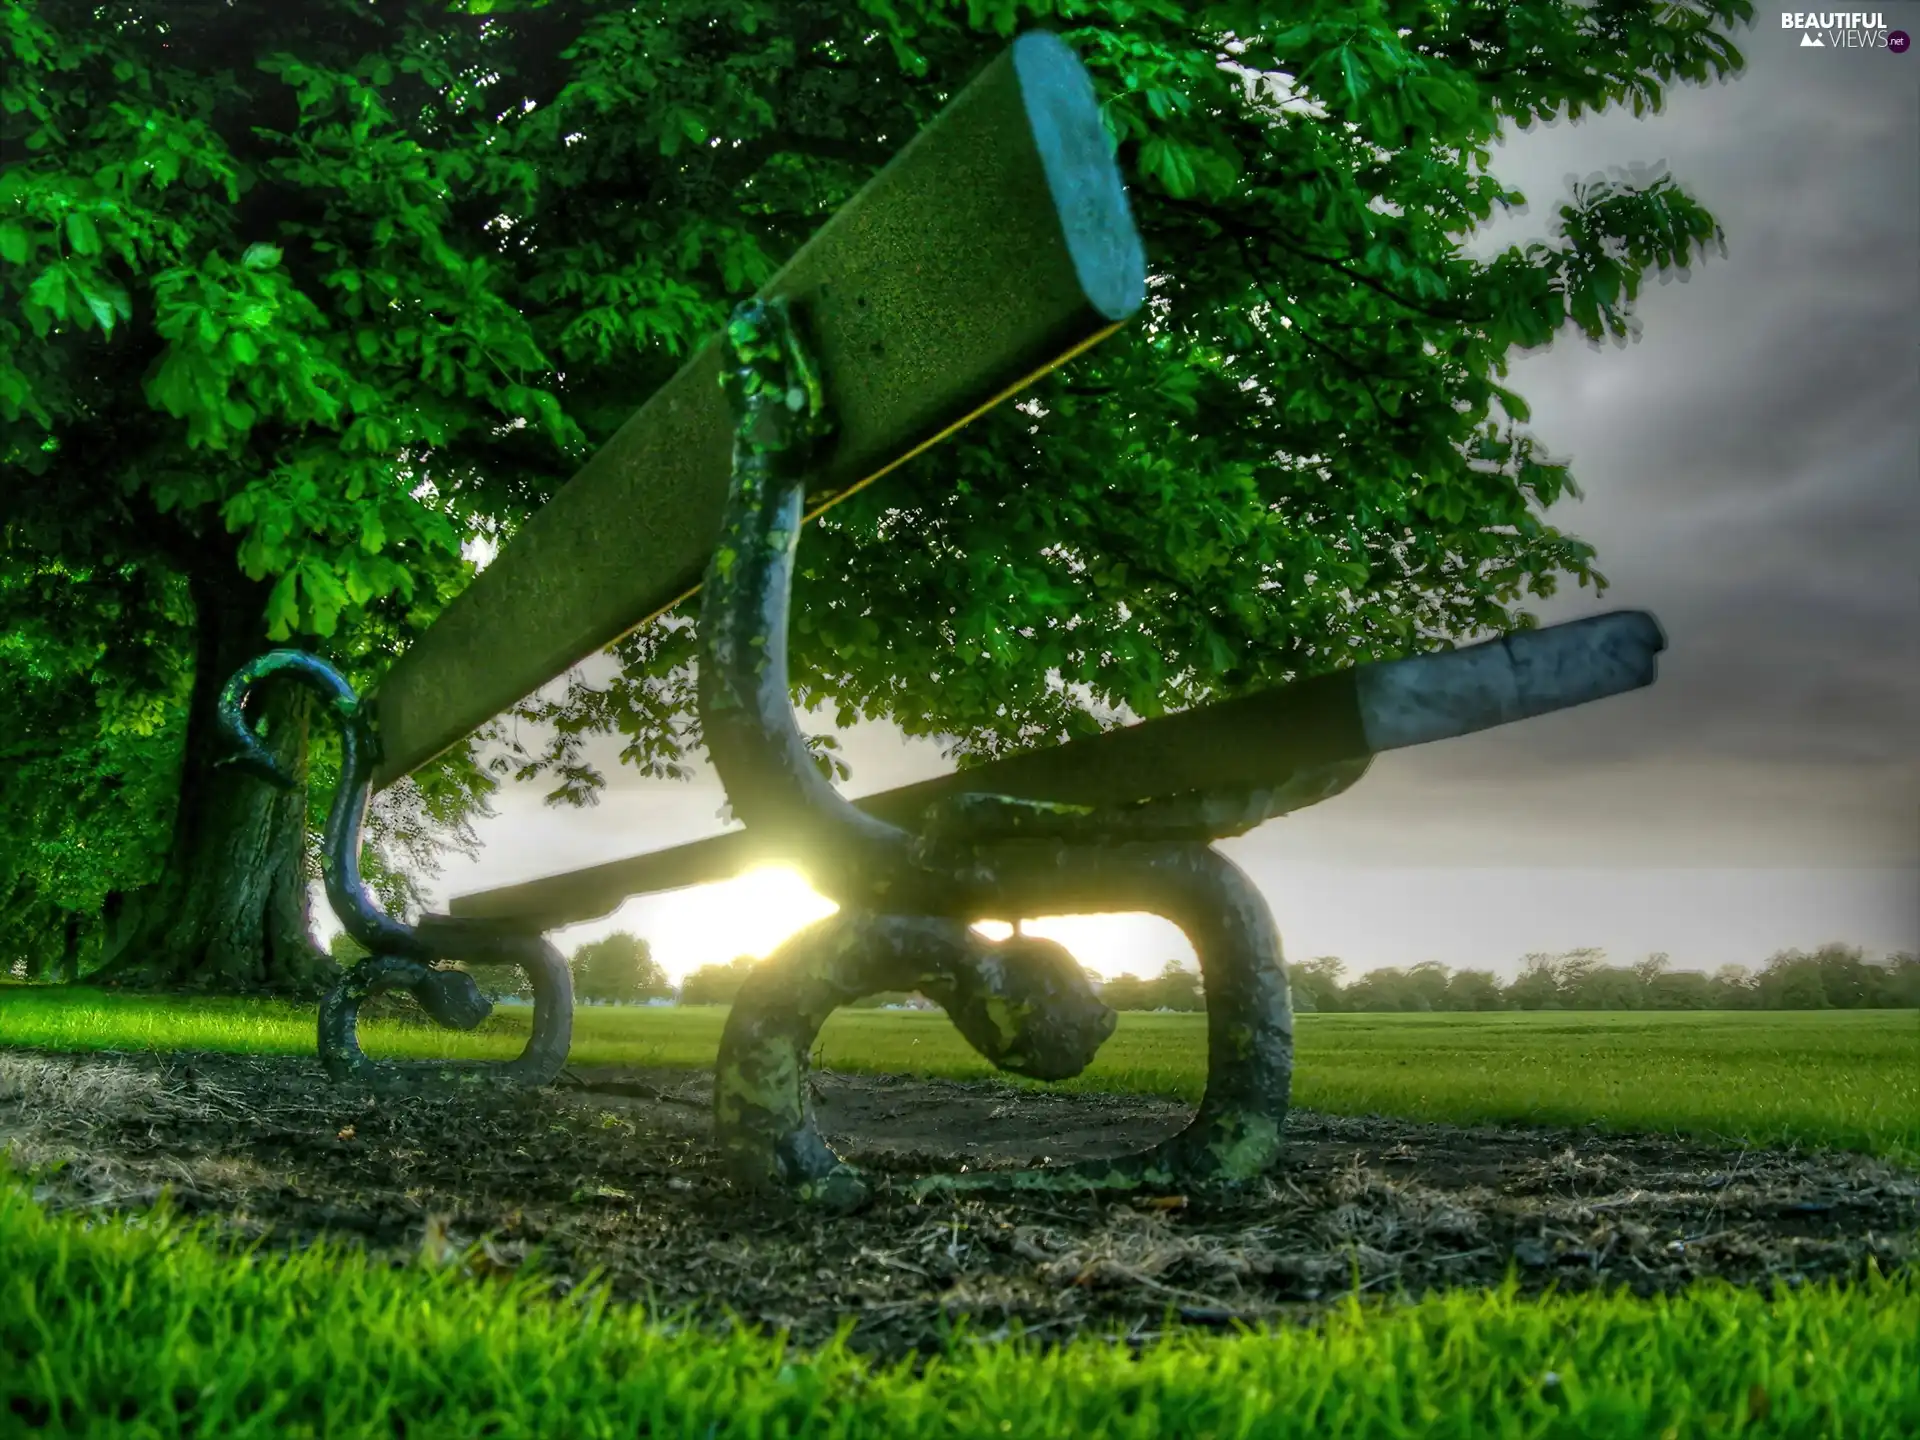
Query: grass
point(1846, 1078)
point(157, 1329)
point(153, 1327)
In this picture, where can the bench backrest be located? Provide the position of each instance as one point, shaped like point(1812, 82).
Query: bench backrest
point(997, 244)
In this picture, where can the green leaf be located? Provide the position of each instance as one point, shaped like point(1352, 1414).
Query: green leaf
point(910, 61)
point(260, 256)
point(1353, 73)
point(48, 294)
point(283, 606)
point(359, 585)
point(1171, 164)
point(81, 235)
point(14, 243)
point(326, 596)
point(99, 306)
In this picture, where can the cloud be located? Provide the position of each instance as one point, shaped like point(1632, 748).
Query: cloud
point(1752, 465)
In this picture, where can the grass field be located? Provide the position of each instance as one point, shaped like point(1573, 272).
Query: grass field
point(1846, 1078)
point(151, 1327)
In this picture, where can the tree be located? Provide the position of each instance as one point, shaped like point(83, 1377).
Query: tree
point(1681, 990)
point(716, 984)
point(1428, 985)
point(188, 411)
point(1538, 986)
point(1733, 988)
point(1354, 495)
point(1175, 988)
point(1651, 968)
point(1608, 987)
point(1474, 990)
point(1835, 975)
point(1901, 984)
point(85, 763)
point(618, 967)
point(1792, 987)
point(1127, 991)
point(1316, 983)
point(1573, 968)
point(302, 301)
point(1386, 988)
point(1846, 978)
point(344, 950)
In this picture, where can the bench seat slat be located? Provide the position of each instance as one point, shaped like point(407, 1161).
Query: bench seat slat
point(1255, 741)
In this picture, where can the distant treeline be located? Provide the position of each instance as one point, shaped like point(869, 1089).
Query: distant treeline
point(1834, 977)
point(621, 967)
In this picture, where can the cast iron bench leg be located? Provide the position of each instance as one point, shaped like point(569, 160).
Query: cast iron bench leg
point(907, 897)
point(402, 957)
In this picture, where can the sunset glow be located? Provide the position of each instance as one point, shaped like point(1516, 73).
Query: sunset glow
point(755, 913)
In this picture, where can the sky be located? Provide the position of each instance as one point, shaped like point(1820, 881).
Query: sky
point(1751, 469)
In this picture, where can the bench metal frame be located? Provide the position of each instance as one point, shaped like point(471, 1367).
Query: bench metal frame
point(997, 245)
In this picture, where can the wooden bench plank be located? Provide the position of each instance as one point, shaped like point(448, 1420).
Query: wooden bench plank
point(996, 245)
point(1255, 741)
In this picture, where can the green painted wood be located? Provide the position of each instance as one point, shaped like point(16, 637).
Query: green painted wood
point(996, 245)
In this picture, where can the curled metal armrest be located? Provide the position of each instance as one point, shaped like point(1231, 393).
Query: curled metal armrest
point(403, 957)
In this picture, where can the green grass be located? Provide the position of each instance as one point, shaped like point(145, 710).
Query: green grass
point(149, 1327)
point(154, 1329)
point(1847, 1078)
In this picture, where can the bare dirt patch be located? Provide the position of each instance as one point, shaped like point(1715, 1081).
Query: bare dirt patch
point(613, 1172)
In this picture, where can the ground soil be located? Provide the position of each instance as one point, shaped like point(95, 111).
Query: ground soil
point(612, 1172)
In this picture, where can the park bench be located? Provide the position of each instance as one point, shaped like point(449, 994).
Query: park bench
point(997, 245)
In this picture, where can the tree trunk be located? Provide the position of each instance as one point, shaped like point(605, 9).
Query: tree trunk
point(230, 910)
point(66, 969)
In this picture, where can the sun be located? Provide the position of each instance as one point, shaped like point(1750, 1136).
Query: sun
point(755, 913)
point(751, 914)
point(765, 906)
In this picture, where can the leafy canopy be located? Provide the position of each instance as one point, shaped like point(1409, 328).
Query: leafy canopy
point(321, 296)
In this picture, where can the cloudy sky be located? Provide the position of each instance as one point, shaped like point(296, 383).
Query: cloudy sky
point(1752, 476)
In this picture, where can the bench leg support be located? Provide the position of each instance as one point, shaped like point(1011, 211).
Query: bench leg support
point(404, 957)
point(1026, 1006)
point(907, 897)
